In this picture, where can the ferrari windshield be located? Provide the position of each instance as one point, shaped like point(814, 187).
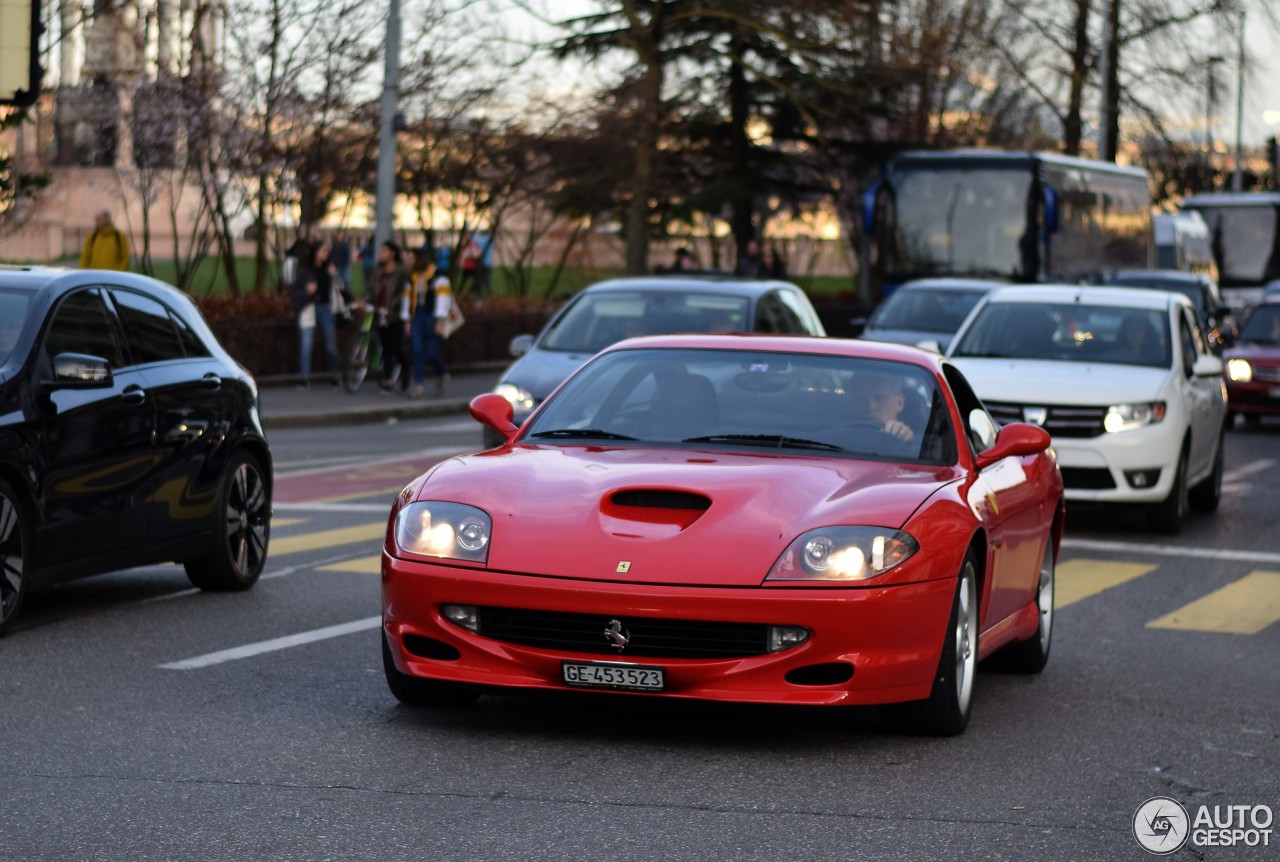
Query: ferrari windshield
point(597, 320)
point(797, 403)
point(1069, 332)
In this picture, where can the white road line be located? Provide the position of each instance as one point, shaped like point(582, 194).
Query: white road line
point(1260, 466)
point(250, 650)
point(1171, 551)
point(382, 508)
point(437, 452)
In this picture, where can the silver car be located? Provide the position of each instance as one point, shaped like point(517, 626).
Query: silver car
point(608, 312)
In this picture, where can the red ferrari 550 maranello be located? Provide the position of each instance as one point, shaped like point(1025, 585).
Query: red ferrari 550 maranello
point(757, 519)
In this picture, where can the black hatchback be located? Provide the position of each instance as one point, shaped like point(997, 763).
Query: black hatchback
point(128, 436)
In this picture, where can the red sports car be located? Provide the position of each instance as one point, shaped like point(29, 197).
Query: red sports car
point(758, 519)
point(1253, 365)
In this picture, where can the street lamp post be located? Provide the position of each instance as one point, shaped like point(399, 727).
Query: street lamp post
point(1210, 106)
point(1237, 178)
point(386, 134)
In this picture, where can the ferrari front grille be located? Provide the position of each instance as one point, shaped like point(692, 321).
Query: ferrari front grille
point(646, 637)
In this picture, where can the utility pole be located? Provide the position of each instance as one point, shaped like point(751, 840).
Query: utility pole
point(1104, 84)
point(1210, 108)
point(1237, 179)
point(387, 130)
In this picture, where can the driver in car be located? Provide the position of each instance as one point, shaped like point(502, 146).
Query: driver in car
point(884, 402)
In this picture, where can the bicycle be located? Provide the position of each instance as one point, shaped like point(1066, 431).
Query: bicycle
point(366, 350)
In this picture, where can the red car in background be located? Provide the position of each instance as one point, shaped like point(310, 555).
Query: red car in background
point(763, 519)
point(1253, 365)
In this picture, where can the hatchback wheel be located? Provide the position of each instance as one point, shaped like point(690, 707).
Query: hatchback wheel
point(241, 528)
point(15, 551)
point(1206, 496)
point(1167, 516)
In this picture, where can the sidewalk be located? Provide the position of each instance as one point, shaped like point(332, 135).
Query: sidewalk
point(283, 405)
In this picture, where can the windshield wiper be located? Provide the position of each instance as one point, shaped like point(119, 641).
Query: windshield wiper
point(582, 433)
point(771, 440)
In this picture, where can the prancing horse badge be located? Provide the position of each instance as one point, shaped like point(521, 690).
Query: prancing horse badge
point(623, 567)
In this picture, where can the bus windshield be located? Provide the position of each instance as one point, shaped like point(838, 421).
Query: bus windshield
point(1246, 243)
point(959, 221)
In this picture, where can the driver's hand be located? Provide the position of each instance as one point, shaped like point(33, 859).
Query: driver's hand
point(900, 430)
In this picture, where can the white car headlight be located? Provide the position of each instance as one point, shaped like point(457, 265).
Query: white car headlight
point(521, 399)
point(1239, 370)
point(1126, 417)
point(843, 554)
point(449, 530)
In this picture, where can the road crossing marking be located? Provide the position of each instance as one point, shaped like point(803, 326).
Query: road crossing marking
point(1244, 607)
point(1172, 551)
point(273, 645)
point(1249, 469)
point(358, 566)
point(328, 539)
point(286, 522)
point(1076, 580)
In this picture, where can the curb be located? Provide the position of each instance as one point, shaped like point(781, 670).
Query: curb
point(363, 416)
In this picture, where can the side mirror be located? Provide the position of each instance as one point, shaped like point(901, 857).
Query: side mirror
point(496, 412)
point(1207, 366)
point(1015, 439)
point(81, 371)
point(520, 345)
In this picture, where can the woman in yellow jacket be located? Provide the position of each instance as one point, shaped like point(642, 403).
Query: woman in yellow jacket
point(106, 247)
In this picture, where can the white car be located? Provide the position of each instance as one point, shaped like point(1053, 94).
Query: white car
point(1121, 378)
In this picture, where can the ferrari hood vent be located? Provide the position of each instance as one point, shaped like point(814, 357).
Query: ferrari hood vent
point(659, 499)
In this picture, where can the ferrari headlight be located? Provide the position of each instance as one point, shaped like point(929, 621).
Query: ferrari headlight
point(1239, 370)
point(449, 530)
point(843, 554)
point(522, 400)
point(1126, 417)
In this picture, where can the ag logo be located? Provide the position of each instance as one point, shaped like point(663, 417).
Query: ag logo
point(1161, 825)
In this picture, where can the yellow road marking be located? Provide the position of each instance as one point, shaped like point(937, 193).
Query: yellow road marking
point(1079, 579)
point(329, 539)
point(388, 493)
point(284, 522)
point(1244, 607)
point(359, 566)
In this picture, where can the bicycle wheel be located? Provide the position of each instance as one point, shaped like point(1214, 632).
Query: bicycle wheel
point(353, 373)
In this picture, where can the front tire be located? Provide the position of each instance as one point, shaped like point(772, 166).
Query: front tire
point(241, 530)
point(1206, 496)
point(15, 555)
point(1167, 516)
point(947, 710)
point(413, 691)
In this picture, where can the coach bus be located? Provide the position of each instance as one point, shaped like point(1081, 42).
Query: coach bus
point(1245, 235)
point(1014, 216)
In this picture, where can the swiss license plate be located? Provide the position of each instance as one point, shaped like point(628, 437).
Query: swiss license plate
point(628, 677)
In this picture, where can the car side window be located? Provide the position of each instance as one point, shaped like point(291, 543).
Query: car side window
point(191, 343)
point(83, 324)
point(152, 335)
point(797, 315)
point(979, 428)
point(1192, 343)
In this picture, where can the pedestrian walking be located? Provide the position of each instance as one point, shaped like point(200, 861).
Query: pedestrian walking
point(340, 253)
point(391, 303)
point(312, 296)
point(750, 262)
point(470, 265)
point(368, 263)
point(430, 298)
point(106, 247)
point(772, 264)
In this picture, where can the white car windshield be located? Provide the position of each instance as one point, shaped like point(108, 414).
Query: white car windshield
point(1068, 332)
point(792, 403)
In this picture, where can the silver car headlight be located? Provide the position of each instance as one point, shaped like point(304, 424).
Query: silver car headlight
point(1126, 417)
point(522, 400)
point(843, 554)
point(1239, 371)
point(449, 530)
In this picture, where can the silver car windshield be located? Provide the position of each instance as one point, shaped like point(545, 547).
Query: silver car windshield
point(597, 320)
point(816, 405)
point(1069, 333)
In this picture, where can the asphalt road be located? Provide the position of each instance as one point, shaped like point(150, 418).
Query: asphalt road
point(144, 720)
